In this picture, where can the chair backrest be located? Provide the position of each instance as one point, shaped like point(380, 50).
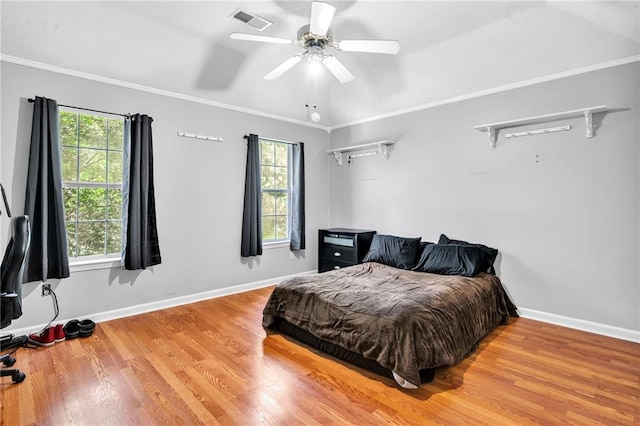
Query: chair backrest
point(13, 269)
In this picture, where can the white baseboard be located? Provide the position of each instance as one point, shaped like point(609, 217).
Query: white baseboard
point(583, 325)
point(164, 304)
point(578, 324)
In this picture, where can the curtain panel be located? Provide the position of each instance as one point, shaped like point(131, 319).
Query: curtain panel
point(251, 243)
point(48, 256)
point(141, 245)
point(297, 198)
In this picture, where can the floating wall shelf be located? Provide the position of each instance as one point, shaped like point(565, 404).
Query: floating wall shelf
point(381, 148)
point(494, 128)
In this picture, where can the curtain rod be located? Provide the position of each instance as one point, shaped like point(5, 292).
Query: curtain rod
point(273, 139)
point(88, 109)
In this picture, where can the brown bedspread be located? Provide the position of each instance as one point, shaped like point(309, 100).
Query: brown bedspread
point(406, 321)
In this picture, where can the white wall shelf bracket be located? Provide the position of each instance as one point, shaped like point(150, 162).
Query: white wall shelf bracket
point(494, 128)
point(493, 136)
point(338, 156)
point(588, 121)
point(382, 149)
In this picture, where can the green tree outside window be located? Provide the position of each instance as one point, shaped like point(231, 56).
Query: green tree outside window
point(275, 161)
point(92, 174)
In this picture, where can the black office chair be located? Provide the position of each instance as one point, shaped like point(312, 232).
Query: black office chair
point(11, 290)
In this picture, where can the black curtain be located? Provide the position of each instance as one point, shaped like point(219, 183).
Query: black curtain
point(47, 256)
point(251, 244)
point(141, 246)
point(297, 198)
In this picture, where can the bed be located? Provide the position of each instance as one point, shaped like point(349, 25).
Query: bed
point(387, 317)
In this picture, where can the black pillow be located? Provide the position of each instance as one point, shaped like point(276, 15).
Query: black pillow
point(450, 259)
point(489, 254)
point(393, 251)
point(422, 246)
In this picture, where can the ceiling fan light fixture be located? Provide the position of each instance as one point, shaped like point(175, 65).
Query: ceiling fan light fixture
point(314, 54)
point(315, 68)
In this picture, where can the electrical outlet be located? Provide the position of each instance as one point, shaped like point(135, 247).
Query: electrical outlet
point(46, 289)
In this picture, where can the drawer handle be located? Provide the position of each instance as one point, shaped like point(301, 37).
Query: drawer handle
point(336, 267)
point(337, 254)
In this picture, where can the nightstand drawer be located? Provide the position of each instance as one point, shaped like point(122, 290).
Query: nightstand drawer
point(339, 253)
point(339, 240)
point(332, 264)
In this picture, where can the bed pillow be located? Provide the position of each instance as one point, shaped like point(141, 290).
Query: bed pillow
point(393, 251)
point(488, 254)
point(422, 246)
point(451, 259)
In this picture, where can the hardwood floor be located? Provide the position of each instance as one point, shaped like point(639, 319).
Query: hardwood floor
point(213, 363)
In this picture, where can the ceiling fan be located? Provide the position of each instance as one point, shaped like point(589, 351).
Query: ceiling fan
point(315, 38)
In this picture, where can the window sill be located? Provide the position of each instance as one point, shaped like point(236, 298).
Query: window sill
point(91, 264)
point(276, 244)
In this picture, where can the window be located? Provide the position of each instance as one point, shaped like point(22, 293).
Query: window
point(92, 174)
point(275, 159)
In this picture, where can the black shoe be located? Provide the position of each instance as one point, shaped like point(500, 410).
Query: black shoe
point(72, 329)
point(86, 327)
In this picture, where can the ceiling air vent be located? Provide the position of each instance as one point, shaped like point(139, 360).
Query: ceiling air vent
point(249, 18)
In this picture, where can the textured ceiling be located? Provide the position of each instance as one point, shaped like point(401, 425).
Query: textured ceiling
point(448, 48)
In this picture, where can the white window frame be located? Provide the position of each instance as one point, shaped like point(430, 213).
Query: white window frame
point(278, 242)
point(110, 260)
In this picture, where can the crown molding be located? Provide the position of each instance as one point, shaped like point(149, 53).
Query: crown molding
point(328, 129)
point(153, 90)
point(525, 83)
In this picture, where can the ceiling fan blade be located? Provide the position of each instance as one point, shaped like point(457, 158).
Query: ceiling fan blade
point(283, 67)
point(337, 69)
point(264, 39)
point(390, 47)
point(321, 17)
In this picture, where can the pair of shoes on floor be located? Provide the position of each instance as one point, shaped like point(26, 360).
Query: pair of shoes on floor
point(75, 328)
point(49, 336)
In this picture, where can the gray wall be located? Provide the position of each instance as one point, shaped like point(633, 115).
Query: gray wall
point(562, 209)
point(199, 187)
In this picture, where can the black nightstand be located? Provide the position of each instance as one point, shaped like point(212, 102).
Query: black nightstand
point(340, 247)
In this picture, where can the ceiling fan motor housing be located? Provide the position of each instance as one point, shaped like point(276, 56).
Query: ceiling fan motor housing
point(307, 39)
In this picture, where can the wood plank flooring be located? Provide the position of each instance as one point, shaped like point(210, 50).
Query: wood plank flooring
point(212, 363)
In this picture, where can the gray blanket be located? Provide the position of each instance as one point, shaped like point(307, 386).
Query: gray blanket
point(404, 320)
